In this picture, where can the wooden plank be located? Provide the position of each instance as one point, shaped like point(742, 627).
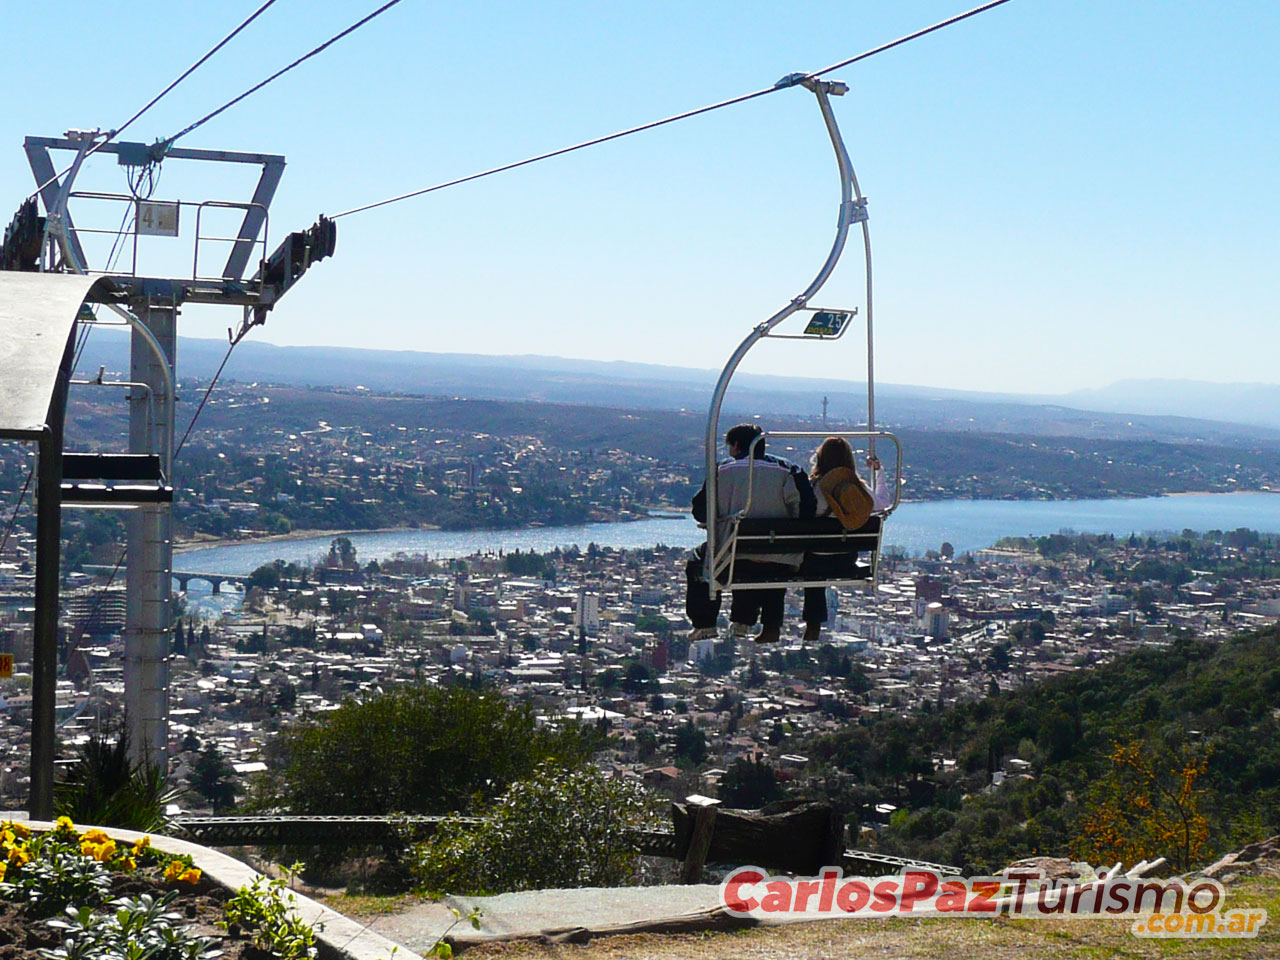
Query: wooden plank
point(704, 822)
point(801, 839)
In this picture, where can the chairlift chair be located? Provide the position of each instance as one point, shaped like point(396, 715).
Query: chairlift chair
point(729, 536)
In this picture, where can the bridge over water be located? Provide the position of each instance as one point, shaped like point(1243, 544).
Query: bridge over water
point(183, 577)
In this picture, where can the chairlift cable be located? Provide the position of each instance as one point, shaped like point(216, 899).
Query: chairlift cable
point(783, 84)
point(13, 517)
point(909, 37)
point(212, 384)
point(561, 151)
point(279, 73)
point(156, 99)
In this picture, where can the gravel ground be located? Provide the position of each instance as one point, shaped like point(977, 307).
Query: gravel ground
point(419, 924)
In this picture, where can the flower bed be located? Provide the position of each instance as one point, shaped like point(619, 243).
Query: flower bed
point(67, 895)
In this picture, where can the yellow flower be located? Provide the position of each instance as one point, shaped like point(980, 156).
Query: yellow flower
point(3, 868)
point(19, 829)
point(128, 864)
point(96, 836)
point(174, 870)
point(141, 844)
point(101, 850)
point(19, 856)
point(190, 875)
point(64, 825)
point(7, 836)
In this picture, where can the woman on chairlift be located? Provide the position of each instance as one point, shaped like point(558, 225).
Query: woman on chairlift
point(842, 493)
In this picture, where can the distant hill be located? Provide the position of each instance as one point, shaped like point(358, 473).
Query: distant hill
point(1254, 403)
point(1163, 410)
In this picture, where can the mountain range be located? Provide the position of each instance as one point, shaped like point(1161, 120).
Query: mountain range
point(1174, 410)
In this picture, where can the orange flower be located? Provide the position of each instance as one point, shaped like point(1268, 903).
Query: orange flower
point(190, 875)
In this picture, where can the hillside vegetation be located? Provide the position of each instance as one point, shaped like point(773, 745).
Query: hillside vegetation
point(1170, 752)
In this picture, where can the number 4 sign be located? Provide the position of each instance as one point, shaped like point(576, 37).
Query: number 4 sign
point(157, 219)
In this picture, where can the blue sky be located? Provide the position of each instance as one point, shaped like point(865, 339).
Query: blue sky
point(1062, 194)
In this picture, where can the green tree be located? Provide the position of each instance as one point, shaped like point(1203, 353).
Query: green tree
point(636, 678)
point(646, 743)
point(417, 750)
point(265, 578)
point(747, 785)
point(213, 778)
point(342, 553)
point(691, 743)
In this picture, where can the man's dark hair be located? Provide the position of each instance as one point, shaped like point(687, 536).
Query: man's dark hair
point(742, 435)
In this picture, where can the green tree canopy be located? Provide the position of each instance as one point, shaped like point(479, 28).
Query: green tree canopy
point(420, 750)
point(746, 785)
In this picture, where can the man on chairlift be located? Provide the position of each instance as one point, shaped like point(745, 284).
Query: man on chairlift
point(779, 488)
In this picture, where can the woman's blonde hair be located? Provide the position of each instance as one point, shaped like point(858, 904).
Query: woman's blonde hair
point(835, 452)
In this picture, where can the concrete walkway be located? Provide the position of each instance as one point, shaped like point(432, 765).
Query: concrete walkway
point(536, 911)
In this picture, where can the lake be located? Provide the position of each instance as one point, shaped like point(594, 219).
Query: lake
point(916, 527)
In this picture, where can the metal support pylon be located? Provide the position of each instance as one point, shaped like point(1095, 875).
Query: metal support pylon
point(149, 572)
point(152, 315)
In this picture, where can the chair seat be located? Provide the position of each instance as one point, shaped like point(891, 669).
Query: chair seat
point(83, 493)
point(113, 480)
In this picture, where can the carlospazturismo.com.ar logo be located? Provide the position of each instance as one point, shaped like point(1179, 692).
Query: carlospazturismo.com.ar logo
point(1157, 908)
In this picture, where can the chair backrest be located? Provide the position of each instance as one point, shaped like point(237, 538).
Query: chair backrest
point(819, 535)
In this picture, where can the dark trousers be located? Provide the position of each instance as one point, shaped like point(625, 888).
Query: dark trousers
point(702, 609)
point(765, 605)
point(822, 566)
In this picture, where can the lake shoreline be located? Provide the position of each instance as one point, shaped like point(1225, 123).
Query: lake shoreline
point(188, 546)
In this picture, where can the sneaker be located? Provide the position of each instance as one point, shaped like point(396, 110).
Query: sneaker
point(811, 633)
point(703, 633)
point(769, 635)
point(739, 629)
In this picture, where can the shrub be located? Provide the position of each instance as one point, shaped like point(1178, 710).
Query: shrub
point(270, 913)
point(142, 928)
point(560, 828)
point(106, 788)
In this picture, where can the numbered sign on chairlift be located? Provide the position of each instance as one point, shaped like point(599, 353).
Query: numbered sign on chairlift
point(828, 323)
point(157, 219)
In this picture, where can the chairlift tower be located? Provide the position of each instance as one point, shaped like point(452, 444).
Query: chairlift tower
point(142, 481)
